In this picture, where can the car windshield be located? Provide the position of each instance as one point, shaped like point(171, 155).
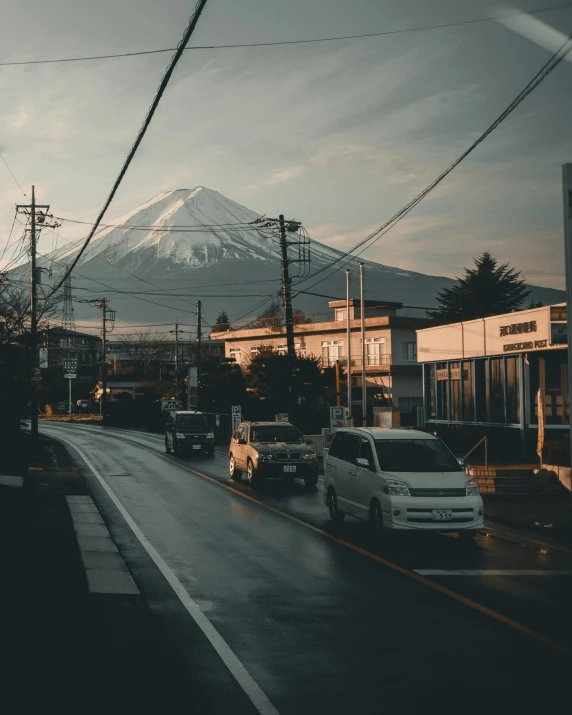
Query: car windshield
point(191, 421)
point(415, 455)
point(276, 433)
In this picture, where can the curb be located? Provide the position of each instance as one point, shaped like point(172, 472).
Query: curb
point(106, 573)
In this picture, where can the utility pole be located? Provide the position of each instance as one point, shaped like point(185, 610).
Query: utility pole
point(287, 295)
point(349, 339)
point(567, 200)
point(107, 315)
point(30, 210)
point(199, 346)
point(363, 351)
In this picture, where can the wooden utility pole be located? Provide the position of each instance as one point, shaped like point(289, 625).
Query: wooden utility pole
point(30, 210)
point(199, 346)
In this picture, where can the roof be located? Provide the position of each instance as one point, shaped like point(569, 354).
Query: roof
point(392, 432)
point(111, 385)
point(187, 412)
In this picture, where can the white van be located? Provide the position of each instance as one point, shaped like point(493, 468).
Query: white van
point(400, 479)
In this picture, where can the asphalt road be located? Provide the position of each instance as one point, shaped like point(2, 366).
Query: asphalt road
point(272, 609)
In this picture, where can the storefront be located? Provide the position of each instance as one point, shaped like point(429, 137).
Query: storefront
point(496, 372)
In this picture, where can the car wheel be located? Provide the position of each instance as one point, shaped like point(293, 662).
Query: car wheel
point(376, 518)
point(233, 471)
point(167, 448)
point(251, 474)
point(336, 515)
point(311, 482)
point(467, 535)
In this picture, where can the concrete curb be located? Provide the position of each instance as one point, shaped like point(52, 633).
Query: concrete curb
point(106, 573)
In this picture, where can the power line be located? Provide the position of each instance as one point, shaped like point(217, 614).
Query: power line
point(12, 174)
point(422, 28)
point(547, 68)
point(146, 122)
point(9, 237)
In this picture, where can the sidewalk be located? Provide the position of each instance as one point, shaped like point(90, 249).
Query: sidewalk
point(61, 649)
point(545, 520)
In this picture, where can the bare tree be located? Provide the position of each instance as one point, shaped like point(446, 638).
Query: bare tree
point(15, 309)
point(147, 349)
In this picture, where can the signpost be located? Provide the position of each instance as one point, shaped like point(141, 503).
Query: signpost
point(282, 417)
point(70, 370)
point(338, 418)
point(192, 387)
point(236, 414)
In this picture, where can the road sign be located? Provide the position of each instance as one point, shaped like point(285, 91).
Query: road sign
point(282, 417)
point(167, 405)
point(338, 417)
point(70, 375)
point(236, 412)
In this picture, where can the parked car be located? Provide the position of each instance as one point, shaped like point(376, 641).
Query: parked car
point(400, 479)
point(188, 431)
point(269, 450)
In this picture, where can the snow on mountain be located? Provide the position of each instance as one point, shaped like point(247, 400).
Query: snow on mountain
point(185, 227)
point(156, 261)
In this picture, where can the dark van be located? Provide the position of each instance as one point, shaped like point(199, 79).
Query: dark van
point(189, 432)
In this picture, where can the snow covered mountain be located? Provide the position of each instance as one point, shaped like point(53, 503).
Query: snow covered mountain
point(156, 261)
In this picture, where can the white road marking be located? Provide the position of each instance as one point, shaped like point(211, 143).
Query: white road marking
point(490, 572)
point(236, 668)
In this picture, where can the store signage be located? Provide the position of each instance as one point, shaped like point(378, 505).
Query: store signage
point(455, 374)
point(521, 347)
point(558, 334)
point(518, 328)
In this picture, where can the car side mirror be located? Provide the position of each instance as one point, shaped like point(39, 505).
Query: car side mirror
point(242, 441)
point(310, 441)
point(362, 462)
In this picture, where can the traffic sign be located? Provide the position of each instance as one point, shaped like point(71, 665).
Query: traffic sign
point(70, 375)
point(236, 415)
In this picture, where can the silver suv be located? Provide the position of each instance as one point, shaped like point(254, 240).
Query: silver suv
point(271, 450)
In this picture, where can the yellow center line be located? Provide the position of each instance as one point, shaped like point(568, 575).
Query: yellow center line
point(480, 608)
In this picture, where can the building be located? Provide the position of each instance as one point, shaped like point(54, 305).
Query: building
point(155, 358)
point(59, 343)
point(393, 374)
point(490, 375)
point(117, 387)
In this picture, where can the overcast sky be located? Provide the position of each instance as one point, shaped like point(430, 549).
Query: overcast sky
point(338, 135)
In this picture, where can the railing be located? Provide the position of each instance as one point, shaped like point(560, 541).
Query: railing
point(484, 439)
point(373, 361)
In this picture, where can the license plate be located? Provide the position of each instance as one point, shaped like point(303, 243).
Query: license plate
point(196, 446)
point(290, 469)
point(442, 515)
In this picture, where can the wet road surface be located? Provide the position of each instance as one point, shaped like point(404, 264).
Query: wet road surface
point(322, 618)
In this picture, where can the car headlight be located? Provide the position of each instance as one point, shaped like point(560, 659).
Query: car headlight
point(472, 488)
point(210, 435)
point(310, 457)
point(264, 457)
point(180, 435)
point(396, 489)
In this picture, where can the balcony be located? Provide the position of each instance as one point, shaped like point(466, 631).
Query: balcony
point(374, 363)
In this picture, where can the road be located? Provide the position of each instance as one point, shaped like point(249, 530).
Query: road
point(278, 611)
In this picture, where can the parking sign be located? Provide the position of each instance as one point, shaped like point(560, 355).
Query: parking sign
point(338, 417)
point(236, 413)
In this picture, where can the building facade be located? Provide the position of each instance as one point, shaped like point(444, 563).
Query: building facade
point(393, 375)
point(59, 343)
point(496, 373)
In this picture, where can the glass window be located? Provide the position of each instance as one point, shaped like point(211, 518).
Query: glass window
point(366, 452)
point(409, 351)
point(350, 448)
point(191, 422)
point(455, 387)
point(442, 391)
point(415, 455)
point(468, 396)
point(496, 390)
point(512, 390)
point(340, 314)
point(331, 352)
point(481, 390)
point(276, 433)
point(337, 445)
point(431, 392)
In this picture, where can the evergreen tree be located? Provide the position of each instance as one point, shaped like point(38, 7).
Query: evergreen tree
point(487, 289)
point(222, 323)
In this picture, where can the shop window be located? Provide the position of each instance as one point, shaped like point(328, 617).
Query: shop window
point(430, 376)
point(442, 392)
point(481, 390)
point(496, 390)
point(512, 390)
point(467, 376)
point(455, 387)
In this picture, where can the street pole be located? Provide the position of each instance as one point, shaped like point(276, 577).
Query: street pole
point(103, 305)
point(363, 351)
point(567, 200)
point(70, 398)
point(177, 360)
point(349, 340)
point(33, 317)
point(199, 346)
point(287, 296)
